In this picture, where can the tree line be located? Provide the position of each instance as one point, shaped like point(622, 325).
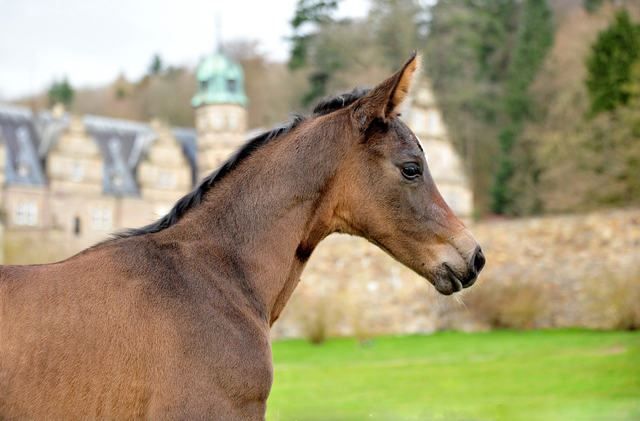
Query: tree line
point(541, 98)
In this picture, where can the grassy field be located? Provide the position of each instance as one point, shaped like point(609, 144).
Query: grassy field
point(502, 375)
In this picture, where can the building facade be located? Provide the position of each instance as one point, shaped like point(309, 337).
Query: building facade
point(425, 119)
point(69, 181)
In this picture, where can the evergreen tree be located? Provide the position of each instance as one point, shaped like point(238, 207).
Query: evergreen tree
point(400, 26)
point(61, 92)
point(467, 58)
point(535, 37)
point(156, 65)
point(317, 14)
point(610, 64)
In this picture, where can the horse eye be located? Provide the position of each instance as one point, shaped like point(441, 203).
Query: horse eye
point(411, 171)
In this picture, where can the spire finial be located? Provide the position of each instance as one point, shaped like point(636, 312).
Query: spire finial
point(219, 31)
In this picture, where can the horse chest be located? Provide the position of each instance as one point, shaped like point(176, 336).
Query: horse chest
point(222, 354)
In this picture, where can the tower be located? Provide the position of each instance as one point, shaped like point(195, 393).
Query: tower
point(221, 111)
point(425, 119)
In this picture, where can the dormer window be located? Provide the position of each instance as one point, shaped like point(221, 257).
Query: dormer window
point(77, 171)
point(232, 85)
point(22, 166)
point(204, 85)
point(117, 179)
point(114, 145)
point(23, 169)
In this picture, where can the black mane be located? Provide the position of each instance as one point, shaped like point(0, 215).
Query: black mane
point(334, 103)
point(193, 199)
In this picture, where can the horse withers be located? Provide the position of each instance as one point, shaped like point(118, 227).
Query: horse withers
point(171, 321)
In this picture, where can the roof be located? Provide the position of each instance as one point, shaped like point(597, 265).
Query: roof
point(121, 143)
point(20, 132)
point(29, 137)
point(220, 81)
point(187, 137)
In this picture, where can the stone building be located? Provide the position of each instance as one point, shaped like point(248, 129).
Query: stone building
point(68, 181)
point(221, 111)
point(425, 119)
point(71, 180)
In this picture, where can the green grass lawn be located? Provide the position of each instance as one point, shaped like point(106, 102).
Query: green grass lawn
point(502, 375)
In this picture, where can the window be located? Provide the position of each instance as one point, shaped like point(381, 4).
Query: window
point(76, 225)
point(115, 145)
point(232, 85)
point(26, 213)
point(217, 122)
point(204, 85)
point(101, 219)
point(434, 124)
point(22, 166)
point(116, 177)
point(77, 171)
point(233, 122)
point(23, 169)
point(166, 180)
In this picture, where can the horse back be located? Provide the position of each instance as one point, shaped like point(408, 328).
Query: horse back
point(123, 331)
point(65, 329)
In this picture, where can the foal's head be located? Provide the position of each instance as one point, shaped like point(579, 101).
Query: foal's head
point(391, 199)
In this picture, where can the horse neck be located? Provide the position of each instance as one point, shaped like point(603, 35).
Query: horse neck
point(269, 214)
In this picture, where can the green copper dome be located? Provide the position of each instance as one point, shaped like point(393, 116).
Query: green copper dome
point(220, 81)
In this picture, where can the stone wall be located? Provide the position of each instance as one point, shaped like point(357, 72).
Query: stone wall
point(574, 259)
point(566, 263)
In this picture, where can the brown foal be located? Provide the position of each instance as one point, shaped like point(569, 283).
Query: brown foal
point(171, 321)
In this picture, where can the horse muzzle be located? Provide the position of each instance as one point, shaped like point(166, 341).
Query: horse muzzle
point(450, 279)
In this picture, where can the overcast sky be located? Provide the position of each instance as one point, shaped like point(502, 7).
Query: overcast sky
point(92, 42)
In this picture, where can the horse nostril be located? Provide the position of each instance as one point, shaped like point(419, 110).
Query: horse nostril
point(479, 260)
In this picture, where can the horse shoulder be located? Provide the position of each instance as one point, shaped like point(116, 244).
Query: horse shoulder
point(222, 342)
point(67, 327)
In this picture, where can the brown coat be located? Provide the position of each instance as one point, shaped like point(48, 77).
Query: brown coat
point(172, 321)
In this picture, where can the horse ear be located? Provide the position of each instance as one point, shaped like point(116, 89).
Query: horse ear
point(384, 100)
